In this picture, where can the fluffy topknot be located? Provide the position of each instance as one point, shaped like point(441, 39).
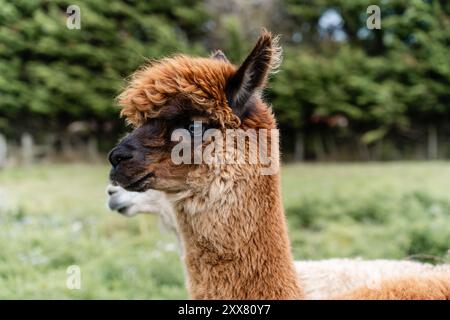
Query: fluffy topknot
point(210, 86)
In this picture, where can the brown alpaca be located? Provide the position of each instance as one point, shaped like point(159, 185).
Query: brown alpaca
point(230, 217)
point(320, 279)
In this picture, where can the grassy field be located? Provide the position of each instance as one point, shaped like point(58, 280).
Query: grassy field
point(54, 216)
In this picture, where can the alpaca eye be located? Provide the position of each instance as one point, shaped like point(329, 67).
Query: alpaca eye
point(196, 129)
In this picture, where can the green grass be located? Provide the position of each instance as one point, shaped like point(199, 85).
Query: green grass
point(54, 216)
point(387, 210)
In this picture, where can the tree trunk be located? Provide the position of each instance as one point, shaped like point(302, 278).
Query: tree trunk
point(92, 149)
point(332, 147)
point(319, 148)
point(299, 148)
point(432, 145)
point(363, 151)
point(66, 146)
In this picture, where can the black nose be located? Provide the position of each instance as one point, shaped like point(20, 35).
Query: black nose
point(119, 154)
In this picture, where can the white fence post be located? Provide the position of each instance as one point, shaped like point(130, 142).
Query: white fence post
point(3, 150)
point(27, 146)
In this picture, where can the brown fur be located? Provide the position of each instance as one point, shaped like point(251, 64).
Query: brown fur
point(229, 254)
point(430, 287)
point(200, 81)
point(230, 217)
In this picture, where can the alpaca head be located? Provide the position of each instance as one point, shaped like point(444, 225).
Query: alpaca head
point(194, 94)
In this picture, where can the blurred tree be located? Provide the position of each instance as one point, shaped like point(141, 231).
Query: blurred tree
point(368, 91)
point(382, 82)
point(51, 75)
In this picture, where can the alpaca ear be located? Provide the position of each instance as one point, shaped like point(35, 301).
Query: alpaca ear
point(219, 55)
point(252, 75)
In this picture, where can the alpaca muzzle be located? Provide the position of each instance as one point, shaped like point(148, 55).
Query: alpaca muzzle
point(127, 170)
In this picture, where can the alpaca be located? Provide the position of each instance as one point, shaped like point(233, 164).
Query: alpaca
point(320, 279)
point(230, 217)
point(338, 277)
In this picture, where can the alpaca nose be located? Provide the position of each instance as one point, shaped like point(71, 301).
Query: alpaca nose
point(118, 155)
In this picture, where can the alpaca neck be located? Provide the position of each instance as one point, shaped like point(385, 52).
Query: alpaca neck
point(237, 248)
